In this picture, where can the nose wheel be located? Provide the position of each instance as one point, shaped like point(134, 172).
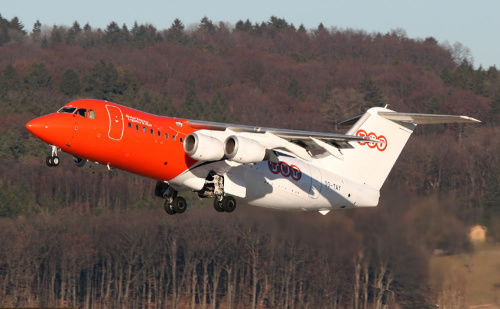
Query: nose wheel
point(52, 160)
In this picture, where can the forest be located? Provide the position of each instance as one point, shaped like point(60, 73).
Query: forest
point(90, 238)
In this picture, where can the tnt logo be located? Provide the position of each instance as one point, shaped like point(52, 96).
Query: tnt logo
point(285, 169)
point(381, 145)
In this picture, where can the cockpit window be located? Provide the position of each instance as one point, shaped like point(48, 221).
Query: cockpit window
point(91, 114)
point(82, 112)
point(67, 109)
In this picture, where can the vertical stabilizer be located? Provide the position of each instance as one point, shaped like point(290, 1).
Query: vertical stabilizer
point(370, 163)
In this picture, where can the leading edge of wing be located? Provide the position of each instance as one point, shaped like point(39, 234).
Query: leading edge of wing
point(284, 133)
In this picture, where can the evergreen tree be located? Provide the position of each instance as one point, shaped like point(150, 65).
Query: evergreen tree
point(206, 25)
point(37, 29)
point(104, 81)
point(70, 83)
point(10, 76)
point(15, 24)
point(244, 26)
point(4, 31)
point(112, 34)
point(87, 28)
point(278, 23)
point(73, 32)
point(38, 77)
point(57, 35)
point(100, 82)
point(491, 204)
point(176, 32)
point(373, 94)
point(295, 90)
point(191, 101)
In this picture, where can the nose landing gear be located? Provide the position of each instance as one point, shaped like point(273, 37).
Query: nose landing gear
point(52, 159)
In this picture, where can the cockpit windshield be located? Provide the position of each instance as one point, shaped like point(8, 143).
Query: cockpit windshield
point(67, 109)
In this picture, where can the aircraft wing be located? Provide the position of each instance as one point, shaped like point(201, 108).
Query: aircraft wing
point(283, 133)
point(426, 118)
point(296, 141)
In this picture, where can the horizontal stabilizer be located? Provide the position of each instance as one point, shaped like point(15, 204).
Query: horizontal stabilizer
point(426, 118)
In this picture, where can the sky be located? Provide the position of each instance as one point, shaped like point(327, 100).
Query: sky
point(475, 24)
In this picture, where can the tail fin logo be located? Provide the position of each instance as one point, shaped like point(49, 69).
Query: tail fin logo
point(382, 140)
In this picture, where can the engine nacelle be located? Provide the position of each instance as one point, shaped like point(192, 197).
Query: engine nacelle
point(203, 148)
point(243, 150)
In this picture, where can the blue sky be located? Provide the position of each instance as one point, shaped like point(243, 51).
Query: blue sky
point(475, 24)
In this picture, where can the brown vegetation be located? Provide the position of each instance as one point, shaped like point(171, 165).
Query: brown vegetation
point(88, 238)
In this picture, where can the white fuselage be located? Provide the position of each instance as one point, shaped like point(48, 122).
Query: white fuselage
point(290, 183)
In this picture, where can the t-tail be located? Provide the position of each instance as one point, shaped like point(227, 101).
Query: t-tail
point(369, 163)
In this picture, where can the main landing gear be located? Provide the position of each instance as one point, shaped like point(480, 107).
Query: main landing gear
point(214, 188)
point(52, 159)
point(227, 204)
point(173, 204)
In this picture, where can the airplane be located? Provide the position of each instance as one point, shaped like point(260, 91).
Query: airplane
point(258, 166)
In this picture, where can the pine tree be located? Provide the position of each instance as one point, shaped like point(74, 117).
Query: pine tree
point(70, 83)
point(37, 29)
point(373, 94)
point(191, 101)
point(38, 77)
point(176, 32)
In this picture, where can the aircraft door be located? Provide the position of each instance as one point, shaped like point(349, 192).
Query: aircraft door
point(116, 122)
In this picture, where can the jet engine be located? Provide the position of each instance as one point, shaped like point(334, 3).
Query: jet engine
point(203, 148)
point(243, 150)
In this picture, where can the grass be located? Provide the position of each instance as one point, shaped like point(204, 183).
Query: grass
point(467, 280)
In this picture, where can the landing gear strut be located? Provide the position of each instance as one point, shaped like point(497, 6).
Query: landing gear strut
point(173, 204)
point(52, 159)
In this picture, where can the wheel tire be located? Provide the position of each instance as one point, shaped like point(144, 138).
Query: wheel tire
point(228, 203)
point(179, 204)
point(218, 205)
point(55, 161)
point(169, 209)
point(48, 160)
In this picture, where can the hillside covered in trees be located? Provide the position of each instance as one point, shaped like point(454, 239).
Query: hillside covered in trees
point(91, 238)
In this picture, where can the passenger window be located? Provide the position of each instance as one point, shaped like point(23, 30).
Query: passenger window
point(91, 114)
point(144, 129)
point(152, 131)
point(129, 125)
point(137, 127)
point(166, 135)
point(159, 133)
point(173, 137)
point(82, 112)
point(180, 140)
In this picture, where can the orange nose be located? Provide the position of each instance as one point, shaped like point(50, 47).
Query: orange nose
point(37, 125)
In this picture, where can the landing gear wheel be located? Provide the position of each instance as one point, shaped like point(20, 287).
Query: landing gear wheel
point(49, 162)
point(55, 161)
point(218, 205)
point(228, 203)
point(169, 209)
point(179, 204)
